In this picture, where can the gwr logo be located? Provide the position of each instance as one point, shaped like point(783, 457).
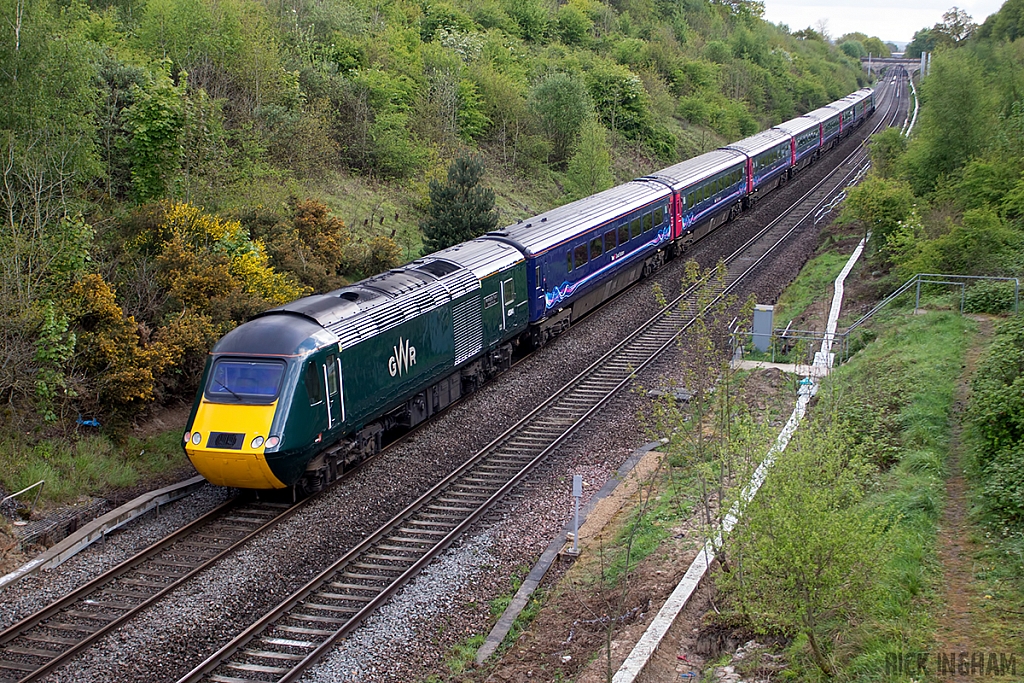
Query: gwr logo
point(403, 358)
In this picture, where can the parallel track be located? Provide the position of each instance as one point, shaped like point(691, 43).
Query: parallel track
point(303, 628)
point(41, 642)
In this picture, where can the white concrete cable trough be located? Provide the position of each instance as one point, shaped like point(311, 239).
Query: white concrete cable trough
point(640, 656)
point(101, 526)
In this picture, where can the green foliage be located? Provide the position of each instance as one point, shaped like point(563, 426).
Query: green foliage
point(589, 169)
point(562, 103)
point(996, 414)
point(807, 549)
point(460, 209)
point(879, 204)
point(573, 25)
point(531, 18)
point(871, 45)
point(956, 118)
point(155, 121)
point(991, 296)
point(854, 48)
point(976, 245)
point(887, 148)
point(55, 348)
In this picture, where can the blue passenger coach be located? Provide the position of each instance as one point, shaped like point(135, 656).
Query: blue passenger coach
point(581, 253)
point(707, 191)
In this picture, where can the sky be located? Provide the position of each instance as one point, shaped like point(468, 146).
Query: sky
point(890, 20)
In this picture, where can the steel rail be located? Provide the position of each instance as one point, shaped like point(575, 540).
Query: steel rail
point(41, 621)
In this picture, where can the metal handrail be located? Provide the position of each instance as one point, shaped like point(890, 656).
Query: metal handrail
point(35, 500)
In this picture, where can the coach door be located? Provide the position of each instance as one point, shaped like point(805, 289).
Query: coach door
point(508, 301)
point(335, 399)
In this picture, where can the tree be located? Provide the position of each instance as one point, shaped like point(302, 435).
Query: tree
point(459, 209)
point(590, 167)
point(957, 119)
point(885, 149)
point(957, 25)
point(562, 103)
point(806, 549)
point(156, 120)
point(880, 205)
point(924, 41)
point(854, 48)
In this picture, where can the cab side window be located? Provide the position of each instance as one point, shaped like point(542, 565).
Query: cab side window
point(332, 375)
point(314, 385)
point(508, 290)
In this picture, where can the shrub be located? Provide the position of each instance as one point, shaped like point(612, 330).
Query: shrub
point(990, 296)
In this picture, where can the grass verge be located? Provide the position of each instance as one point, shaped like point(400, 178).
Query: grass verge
point(90, 465)
point(895, 396)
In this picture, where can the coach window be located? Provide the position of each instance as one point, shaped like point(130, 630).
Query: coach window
point(623, 233)
point(634, 228)
point(313, 385)
point(595, 248)
point(659, 215)
point(568, 261)
point(581, 255)
point(609, 240)
point(647, 222)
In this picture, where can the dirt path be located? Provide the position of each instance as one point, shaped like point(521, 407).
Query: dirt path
point(960, 627)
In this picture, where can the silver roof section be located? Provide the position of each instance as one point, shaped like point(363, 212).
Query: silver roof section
point(540, 233)
point(761, 142)
point(377, 304)
point(823, 113)
point(700, 167)
point(841, 105)
point(798, 125)
point(483, 257)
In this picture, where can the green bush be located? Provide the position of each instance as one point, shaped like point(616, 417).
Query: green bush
point(990, 296)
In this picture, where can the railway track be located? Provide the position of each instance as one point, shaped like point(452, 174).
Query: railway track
point(302, 629)
point(299, 631)
point(41, 642)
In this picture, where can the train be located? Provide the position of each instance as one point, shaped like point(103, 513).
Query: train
point(300, 393)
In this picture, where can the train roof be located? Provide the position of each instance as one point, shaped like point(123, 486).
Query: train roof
point(798, 125)
point(483, 257)
point(841, 105)
point(379, 303)
point(761, 142)
point(823, 113)
point(540, 233)
point(275, 335)
point(698, 168)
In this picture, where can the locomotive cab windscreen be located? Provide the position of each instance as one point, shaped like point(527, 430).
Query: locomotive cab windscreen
point(245, 381)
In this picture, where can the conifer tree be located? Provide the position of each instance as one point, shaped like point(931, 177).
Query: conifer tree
point(460, 209)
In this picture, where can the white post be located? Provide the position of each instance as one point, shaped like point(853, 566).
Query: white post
point(577, 493)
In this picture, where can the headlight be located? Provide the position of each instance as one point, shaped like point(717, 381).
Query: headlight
point(273, 441)
point(196, 438)
point(257, 442)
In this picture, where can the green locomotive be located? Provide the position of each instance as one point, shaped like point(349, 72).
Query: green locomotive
point(301, 392)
